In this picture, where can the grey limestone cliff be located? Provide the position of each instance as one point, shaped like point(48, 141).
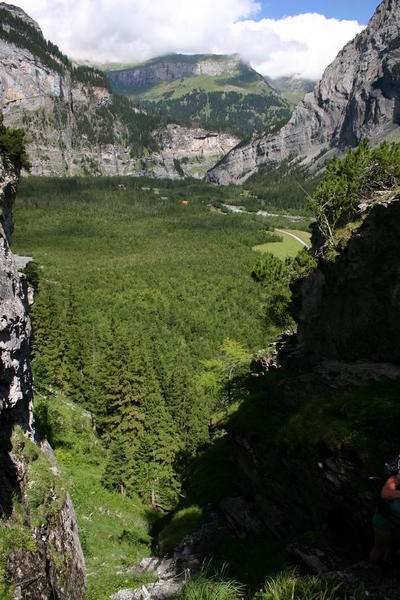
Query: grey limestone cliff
point(40, 556)
point(357, 97)
point(171, 67)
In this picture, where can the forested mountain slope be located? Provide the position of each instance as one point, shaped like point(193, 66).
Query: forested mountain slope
point(217, 91)
point(357, 97)
point(76, 125)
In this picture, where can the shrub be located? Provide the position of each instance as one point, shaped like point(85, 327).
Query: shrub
point(347, 183)
point(12, 144)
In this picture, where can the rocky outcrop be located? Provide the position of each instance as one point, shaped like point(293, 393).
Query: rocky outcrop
point(15, 327)
point(186, 152)
point(41, 554)
point(348, 309)
point(357, 97)
point(326, 411)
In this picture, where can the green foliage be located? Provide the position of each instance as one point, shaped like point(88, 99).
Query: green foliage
point(282, 186)
point(274, 275)
point(240, 113)
point(90, 76)
point(31, 273)
point(222, 375)
point(183, 523)
point(363, 176)
point(12, 145)
point(211, 587)
point(290, 585)
point(15, 537)
point(45, 492)
point(135, 293)
point(355, 420)
point(113, 529)
point(178, 167)
point(240, 101)
point(276, 278)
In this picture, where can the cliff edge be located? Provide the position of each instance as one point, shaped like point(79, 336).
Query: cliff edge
point(40, 552)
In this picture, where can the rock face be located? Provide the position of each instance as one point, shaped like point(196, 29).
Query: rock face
point(43, 559)
point(15, 327)
point(357, 97)
point(190, 152)
point(293, 478)
point(349, 307)
point(169, 68)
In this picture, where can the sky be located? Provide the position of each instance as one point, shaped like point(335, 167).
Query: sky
point(277, 37)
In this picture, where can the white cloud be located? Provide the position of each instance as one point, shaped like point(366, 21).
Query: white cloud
point(134, 30)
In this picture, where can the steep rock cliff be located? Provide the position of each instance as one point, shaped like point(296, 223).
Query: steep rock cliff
point(189, 152)
point(348, 309)
point(40, 552)
point(311, 446)
point(357, 97)
point(171, 67)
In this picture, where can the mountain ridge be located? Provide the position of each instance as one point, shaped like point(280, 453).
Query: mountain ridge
point(216, 91)
point(356, 97)
point(75, 124)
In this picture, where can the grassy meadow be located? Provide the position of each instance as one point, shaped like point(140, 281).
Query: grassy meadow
point(288, 247)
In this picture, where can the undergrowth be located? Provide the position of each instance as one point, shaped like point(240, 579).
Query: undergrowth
point(113, 529)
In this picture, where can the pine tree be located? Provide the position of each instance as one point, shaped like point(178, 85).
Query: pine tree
point(75, 361)
point(153, 467)
point(46, 342)
point(190, 416)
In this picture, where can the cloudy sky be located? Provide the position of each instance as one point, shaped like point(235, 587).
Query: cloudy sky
point(278, 37)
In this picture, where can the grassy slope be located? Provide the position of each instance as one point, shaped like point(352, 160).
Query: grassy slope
point(254, 106)
point(183, 86)
point(113, 530)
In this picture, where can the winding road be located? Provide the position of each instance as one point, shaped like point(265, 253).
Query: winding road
point(294, 236)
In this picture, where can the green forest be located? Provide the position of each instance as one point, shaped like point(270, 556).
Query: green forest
point(151, 304)
point(147, 314)
point(241, 114)
point(143, 304)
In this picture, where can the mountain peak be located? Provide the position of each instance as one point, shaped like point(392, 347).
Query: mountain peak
point(357, 97)
point(17, 12)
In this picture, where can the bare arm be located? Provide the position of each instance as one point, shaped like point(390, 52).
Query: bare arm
point(389, 491)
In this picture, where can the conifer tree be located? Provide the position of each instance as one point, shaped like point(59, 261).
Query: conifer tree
point(74, 369)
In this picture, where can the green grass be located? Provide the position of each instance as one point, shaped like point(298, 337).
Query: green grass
point(288, 247)
point(211, 587)
point(114, 530)
point(289, 585)
point(15, 537)
point(207, 83)
point(362, 421)
point(183, 523)
point(45, 491)
point(303, 235)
